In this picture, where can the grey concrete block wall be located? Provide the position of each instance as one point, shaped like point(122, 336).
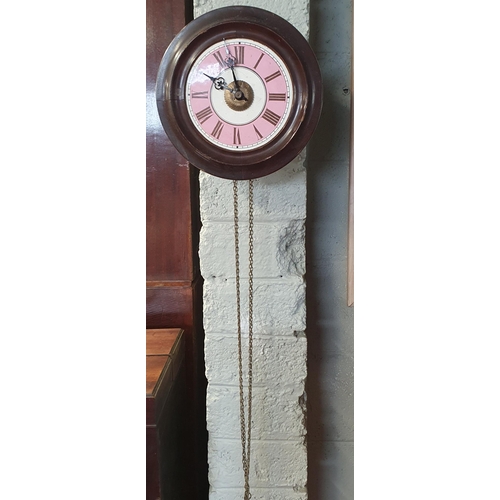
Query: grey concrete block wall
point(330, 323)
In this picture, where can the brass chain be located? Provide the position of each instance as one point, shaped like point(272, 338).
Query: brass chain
point(245, 432)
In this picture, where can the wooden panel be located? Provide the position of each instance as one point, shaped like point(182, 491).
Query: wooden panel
point(169, 254)
point(168, 307)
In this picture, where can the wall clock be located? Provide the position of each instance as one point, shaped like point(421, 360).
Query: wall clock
point(239, 92)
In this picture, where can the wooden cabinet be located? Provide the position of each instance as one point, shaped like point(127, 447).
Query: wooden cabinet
point(166, 409)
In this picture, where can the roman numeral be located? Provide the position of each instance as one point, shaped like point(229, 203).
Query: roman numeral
point(204, 114)
point(277, 97)
point(271, 117)
point(240, 54)
point(217, 129)
point(236, 136)
point(257, 132)
point(272, 77)
point(200, 95)
point(219, 59)
point(258, 61)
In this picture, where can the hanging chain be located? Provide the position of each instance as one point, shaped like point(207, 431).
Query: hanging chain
point(245, 432)
point(250, 330)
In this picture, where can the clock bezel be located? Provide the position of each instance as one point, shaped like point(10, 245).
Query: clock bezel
point(270, 30)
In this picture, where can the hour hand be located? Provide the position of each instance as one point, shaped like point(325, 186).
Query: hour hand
point(219, 83)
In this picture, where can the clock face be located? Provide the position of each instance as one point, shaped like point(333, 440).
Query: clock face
point(238, 94)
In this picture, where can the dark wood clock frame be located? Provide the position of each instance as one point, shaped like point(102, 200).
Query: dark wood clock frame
point(270, 30)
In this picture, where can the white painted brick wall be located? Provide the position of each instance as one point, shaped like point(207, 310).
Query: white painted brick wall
point(278, 469)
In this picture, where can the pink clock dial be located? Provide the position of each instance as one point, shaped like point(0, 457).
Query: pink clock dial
point(239, 94)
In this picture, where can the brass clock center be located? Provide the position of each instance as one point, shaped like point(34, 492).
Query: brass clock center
point(239, 100)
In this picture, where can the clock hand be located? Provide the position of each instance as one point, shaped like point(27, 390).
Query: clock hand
point(219, 83)
point(230, 61)
point(234, 78)
point(238, 94)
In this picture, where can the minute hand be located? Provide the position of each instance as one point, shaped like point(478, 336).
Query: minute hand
point(238, 94)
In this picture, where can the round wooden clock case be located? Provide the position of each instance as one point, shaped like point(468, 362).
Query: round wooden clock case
point(239, 92)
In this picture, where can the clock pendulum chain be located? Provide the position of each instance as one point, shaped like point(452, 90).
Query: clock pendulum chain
point(245, 431)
